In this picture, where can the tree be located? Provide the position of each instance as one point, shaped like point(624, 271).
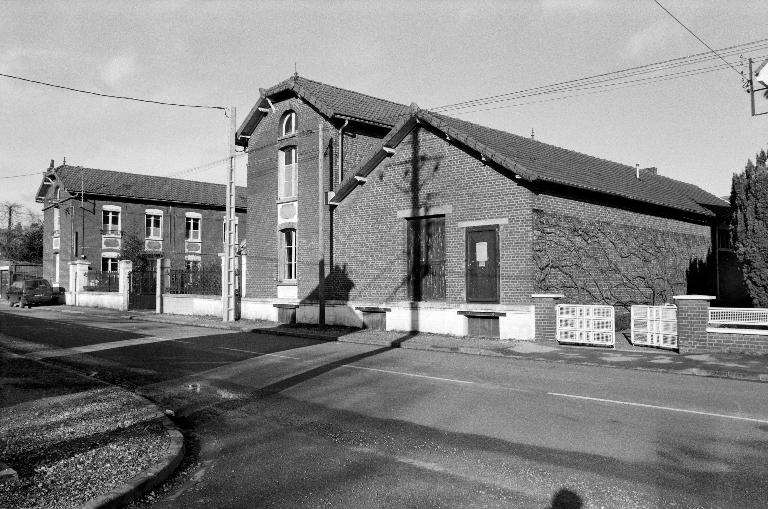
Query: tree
point(133, 249)
point(749, 227)
point(25, 244)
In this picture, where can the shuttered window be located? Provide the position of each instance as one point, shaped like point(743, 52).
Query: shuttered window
point(426, 258)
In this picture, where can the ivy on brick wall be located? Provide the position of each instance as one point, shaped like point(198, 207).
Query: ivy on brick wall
point(601, 262)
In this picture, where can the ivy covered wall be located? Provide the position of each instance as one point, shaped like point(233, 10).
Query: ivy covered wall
point(592, 261)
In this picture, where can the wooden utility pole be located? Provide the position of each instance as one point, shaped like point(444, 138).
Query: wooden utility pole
point(228, 282)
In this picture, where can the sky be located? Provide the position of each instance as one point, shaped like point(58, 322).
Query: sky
point(696, 129)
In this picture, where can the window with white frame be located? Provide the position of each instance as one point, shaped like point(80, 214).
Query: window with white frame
point(110, 220)
point(190, 265)
point(192, 227)
point(288, 124)
point(287, 173)
point(288, 255)
point(153, 224)
point(109, 263)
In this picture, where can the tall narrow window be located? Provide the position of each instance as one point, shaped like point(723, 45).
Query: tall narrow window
point(110, 222)
point(426, 258)
point(153, 226)
point(288, 255)
point(287, 173)
point(192, 228)
point(288, 124)
point(56, 220)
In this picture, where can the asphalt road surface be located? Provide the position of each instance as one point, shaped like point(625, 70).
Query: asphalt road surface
point(275, 421)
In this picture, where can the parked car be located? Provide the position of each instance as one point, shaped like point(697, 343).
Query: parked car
point(30, 291)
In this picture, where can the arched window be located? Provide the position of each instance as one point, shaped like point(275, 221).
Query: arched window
point(287, 173)
point(288, 255)
point(288, 124)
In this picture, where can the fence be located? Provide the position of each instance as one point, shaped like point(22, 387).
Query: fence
point(195, 281)
point(654, 326)
point(738, 317)
point(101, 281)
point(585, 324)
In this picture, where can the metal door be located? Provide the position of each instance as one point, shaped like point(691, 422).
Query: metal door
point(142, 289)
point(482, 264)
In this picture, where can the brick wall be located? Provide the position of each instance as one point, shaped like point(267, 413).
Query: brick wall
point(263, 227)
point(370, 239)
point(737, 343)
point(595, 253)
point(132, 218)
point(692, 318)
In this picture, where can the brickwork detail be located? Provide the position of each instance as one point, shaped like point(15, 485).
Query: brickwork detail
point(692, 318)
point(428, 171)
point(609, 261)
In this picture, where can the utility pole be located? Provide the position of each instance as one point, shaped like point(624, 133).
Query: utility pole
point(228, 284)
point(320, 224)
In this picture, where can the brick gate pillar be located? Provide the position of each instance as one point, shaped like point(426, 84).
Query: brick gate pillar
point(692, 318)
point(124, 268)
point(544, 304)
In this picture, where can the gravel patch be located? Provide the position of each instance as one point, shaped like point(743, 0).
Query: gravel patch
point(73, 448)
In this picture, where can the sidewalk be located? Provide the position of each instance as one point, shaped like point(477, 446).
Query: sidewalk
point(624, 355)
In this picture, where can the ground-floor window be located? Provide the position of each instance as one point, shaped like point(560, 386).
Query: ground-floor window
point(109, 264)
point(288, 255)
point(426, 258)
point(190, 265)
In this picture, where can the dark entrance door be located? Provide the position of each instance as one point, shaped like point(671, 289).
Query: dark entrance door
point(142, 289)
point(483, 264)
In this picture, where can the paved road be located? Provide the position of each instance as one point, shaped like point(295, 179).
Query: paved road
point(290, 422)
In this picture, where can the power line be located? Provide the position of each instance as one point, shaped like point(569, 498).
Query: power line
point(99, 94)
point(19, 176)
point(699, 38)
point(609, 76)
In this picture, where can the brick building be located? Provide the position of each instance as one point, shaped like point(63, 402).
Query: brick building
point(446, 226)
point(94, 214)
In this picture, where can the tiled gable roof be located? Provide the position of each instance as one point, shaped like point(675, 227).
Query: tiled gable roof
point(145, 187)
point(330, 101)
point(549, 163)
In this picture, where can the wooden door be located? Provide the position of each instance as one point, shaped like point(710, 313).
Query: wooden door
point(426, 258)
point(482, 269)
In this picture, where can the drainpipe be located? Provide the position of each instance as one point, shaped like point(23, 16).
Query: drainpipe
point(341, 152)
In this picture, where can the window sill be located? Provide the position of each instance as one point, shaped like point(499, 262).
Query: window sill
point(286, 200)
point(287, 283)
point(286, 136)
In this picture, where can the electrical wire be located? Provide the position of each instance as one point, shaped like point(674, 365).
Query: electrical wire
point(698, 38)
point(99, 94)
point(19, 176)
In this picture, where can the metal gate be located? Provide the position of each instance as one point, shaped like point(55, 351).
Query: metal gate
point(654, 326)
point(142, 289)
point(586, 324)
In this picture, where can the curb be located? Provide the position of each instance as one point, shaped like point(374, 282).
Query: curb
point(727, 375)
point(146, 481)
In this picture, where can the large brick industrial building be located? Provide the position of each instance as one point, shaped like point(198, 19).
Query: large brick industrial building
point(401, 216)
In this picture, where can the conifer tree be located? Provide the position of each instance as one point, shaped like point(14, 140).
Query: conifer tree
point(749, 226)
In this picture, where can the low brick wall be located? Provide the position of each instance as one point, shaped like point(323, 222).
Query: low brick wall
point(736, 342)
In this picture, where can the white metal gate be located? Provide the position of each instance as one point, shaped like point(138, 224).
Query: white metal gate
point(654, 326)
point(585, 324)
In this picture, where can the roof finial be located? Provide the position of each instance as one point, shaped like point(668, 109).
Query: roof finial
point(64, 162)
point(533, 136)
point(295, 71)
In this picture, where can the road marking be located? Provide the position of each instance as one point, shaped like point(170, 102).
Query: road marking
point(657, 407)
point(258, 353)
point(408, 374)
point(63, 352)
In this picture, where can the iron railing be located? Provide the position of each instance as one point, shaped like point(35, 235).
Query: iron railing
point(753, 317)
point(102, 281)
point(195, 281)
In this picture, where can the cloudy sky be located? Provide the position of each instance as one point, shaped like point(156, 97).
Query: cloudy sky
point(696, 129)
